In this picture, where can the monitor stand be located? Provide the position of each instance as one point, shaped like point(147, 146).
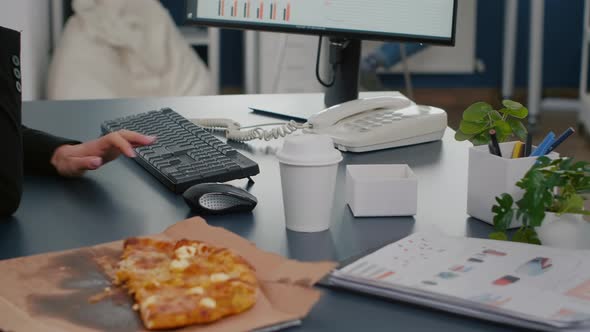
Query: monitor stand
point(344, 58)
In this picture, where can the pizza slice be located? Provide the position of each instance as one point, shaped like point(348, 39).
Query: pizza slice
point(184, 283)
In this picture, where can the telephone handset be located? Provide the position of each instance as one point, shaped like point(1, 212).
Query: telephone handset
point(332, 115)
point(359, 125)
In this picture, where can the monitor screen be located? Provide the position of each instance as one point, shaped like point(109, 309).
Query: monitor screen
point(430, 21)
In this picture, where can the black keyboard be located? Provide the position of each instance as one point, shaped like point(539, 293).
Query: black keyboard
point(184, 153)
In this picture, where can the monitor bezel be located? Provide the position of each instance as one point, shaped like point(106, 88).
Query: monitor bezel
point(325, 32)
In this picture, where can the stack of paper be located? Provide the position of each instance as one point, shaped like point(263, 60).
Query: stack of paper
point(518, 284)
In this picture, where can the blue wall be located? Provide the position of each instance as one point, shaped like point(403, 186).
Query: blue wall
point(562, 42)
point(176, 9)
point(561, 56)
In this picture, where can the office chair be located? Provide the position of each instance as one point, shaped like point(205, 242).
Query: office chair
point(385, 57)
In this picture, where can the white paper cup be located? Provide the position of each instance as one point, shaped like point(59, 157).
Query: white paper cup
point(308, 165)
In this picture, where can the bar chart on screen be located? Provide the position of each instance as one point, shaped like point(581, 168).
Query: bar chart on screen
point(381, 16)
point(269, 11)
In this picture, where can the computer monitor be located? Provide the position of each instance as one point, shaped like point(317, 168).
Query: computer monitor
point(345, 22)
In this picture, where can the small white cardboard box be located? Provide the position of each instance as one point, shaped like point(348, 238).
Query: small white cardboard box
point(381, 190)
point(490, 176)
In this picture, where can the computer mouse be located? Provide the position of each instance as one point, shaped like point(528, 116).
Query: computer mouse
point(218, 198)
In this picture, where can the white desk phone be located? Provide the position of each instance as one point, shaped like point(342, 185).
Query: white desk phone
point(359, 125)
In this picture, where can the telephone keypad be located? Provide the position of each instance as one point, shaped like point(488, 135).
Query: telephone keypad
point(377, 119)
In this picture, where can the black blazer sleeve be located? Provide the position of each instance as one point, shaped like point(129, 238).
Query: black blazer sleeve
point(11, 144)
point(21, 149)
point(38, 148)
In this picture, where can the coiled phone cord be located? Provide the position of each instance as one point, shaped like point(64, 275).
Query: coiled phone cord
point(233, 130)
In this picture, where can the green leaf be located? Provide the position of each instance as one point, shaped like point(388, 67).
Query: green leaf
point(526, 235)
point(580, 167)
point(517, 128)
point(495, 115)
point(572, 204)
point(514, 109)
point(519, 236)
point(520, 114)
point(460, 136)
point(542, 162)
point(503, 130)
point(511, 104)
point(503, 212)
point(477, 112)
point(471, 128)
point(500, 236)
point(481, 139)
point(536, 199)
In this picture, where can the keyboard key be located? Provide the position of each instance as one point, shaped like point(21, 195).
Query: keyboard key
point(177, 174)
point(169, 170)
point(161, 164)
point(178, 150)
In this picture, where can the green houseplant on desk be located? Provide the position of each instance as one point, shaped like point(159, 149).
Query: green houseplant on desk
point(491, 171)
point(480, 118)
point(553, 189)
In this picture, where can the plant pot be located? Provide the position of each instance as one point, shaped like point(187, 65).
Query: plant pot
point(568, 231)
point(489, 176)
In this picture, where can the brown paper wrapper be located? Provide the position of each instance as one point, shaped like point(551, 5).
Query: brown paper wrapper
point(65, 291)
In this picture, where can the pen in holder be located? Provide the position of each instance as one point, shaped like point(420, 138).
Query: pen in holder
point(490, 176)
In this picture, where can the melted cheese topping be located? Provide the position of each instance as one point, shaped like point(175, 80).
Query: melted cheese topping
point(219, 277)
point(179, 264)
point(196, 291)
point(185, 252)
point(149, 301)
point(183, 255)
point(208, 302)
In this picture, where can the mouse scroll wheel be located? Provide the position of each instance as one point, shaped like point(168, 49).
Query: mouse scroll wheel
point(218, 202)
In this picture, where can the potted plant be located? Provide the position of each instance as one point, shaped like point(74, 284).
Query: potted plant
point(480, 117)
point(490, 175)
point(553, 189)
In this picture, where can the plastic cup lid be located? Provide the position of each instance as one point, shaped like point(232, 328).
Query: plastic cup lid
point(309, 150)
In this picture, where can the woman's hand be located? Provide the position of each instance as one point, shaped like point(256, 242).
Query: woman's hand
point(74, 160)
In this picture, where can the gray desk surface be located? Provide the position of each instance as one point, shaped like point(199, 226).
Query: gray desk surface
point(122, 200)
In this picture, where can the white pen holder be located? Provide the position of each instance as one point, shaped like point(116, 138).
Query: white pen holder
point(490, 176)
